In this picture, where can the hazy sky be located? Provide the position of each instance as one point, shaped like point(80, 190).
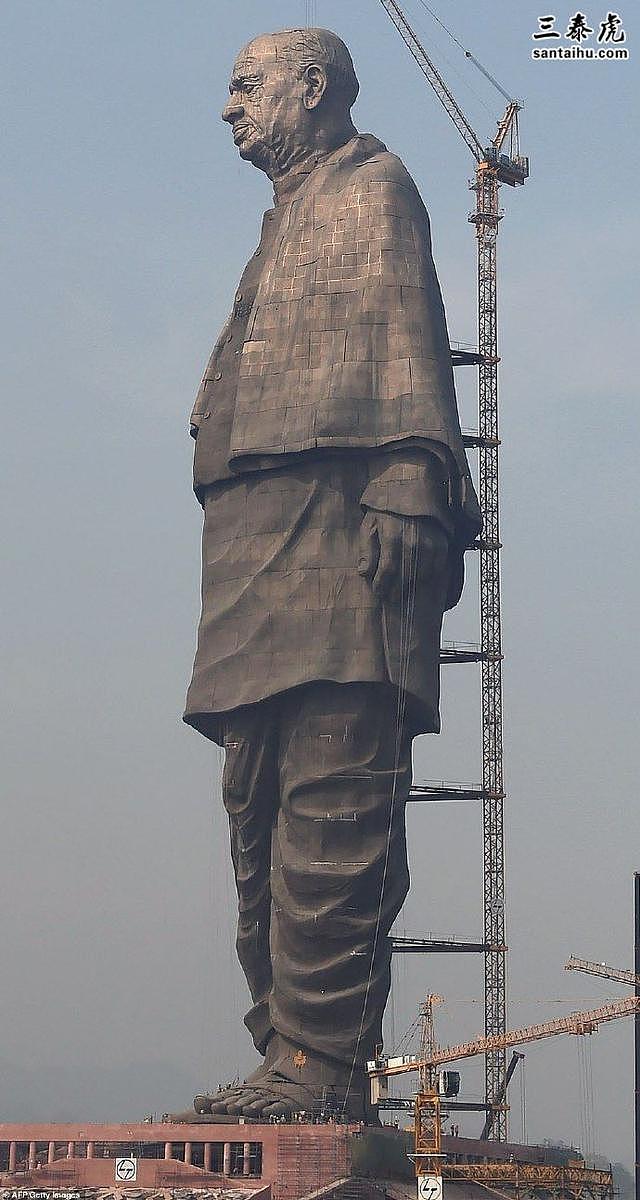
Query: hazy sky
point(130, 218)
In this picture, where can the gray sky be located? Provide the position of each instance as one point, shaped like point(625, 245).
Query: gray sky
point(130, 219)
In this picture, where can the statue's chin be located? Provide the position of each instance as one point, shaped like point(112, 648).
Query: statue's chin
point(256, 154)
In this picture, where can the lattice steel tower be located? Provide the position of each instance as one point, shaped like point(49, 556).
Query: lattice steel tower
point(493, 168)
point(486, 218)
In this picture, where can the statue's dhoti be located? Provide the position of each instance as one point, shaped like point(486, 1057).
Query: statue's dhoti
point(315, 784)
point(284, 603)
point(315, 687)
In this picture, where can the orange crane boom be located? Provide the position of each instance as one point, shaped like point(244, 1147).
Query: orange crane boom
point(577, 1023)
point(602, 971)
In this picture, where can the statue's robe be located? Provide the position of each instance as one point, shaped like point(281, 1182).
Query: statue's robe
point(328, 398)
point(330, 390)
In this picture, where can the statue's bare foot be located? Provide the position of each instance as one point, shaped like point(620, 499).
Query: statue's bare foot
point(271, 1095)
point(217, 1102)
point(291, 1081)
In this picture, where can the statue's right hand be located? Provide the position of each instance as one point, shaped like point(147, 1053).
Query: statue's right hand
point(382, 538)
point(369, 546)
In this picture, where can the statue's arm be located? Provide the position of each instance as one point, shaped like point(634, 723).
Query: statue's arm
point(414, 497)
point(407, 527)
point(409, 483)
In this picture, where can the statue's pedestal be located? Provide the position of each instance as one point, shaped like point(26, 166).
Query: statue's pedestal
point(300, 1160)
point(325, 1161)
point(203, 1160)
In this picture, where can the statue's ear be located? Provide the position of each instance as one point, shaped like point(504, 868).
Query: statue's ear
point(314, 80)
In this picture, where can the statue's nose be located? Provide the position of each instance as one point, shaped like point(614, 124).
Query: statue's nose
point(231, 111)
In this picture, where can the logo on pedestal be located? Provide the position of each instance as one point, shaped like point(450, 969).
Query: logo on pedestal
point(429, 1187)
point(126, 1169)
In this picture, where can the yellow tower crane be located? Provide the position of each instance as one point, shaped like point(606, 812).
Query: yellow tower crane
point(428, 1154)
point(632, 979)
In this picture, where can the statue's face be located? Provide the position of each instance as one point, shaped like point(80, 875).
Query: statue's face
point(266, 109)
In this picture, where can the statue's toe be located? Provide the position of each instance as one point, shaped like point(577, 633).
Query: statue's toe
point(239, 1105)
point(280, 1108)
point(220, 1102)
point(219, 1107)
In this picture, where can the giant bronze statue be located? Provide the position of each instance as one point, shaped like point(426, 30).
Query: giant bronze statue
point(337, 506)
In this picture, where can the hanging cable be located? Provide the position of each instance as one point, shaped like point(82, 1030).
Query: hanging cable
point(407, 1037)
point(408, 578)
point(467, 53)
point(523, 1103)
point(442, 25)
point(590, 1106)
point(585, 1072)
point(463, 79)
point(392, 1005)
point(581, 1098)
point(230, 902)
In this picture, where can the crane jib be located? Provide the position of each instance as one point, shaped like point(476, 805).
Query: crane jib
point(574, 1023)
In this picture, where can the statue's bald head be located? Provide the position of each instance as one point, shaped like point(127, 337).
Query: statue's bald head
point(302, 48)
point(291, 93)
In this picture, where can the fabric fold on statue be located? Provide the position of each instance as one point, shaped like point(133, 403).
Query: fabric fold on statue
point(320, 960)
point(344, 335)
point(362, 357)
point(284, 603)
point(411, 484)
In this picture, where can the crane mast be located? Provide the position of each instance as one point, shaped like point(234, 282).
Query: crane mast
point(486, 218)
point(492, 169)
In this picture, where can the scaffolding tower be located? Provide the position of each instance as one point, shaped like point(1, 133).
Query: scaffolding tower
point(494, 167)
point(486, 218)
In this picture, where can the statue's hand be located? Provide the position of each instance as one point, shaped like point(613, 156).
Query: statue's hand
point(381, 537)
point(392, 547)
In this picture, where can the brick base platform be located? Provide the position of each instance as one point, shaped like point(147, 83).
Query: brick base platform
point(161, 1159)
point(171, 1160)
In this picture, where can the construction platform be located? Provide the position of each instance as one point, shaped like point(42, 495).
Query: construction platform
point(167, 1160)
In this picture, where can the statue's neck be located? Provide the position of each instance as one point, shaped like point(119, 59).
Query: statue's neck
point(288, 176)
